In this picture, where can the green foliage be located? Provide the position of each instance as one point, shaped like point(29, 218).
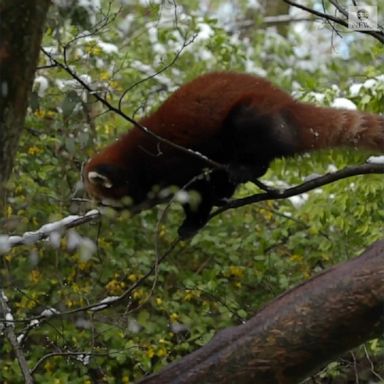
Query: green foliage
point(242, 259)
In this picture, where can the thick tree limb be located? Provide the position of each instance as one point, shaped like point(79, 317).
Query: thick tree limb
point(21, 30)
point(296, 333)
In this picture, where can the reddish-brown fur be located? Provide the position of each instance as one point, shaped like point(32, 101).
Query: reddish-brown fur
point(239, 120)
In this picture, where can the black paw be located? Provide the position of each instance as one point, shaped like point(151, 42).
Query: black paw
point(239, 173)
point(187, 231)
point(190, 228)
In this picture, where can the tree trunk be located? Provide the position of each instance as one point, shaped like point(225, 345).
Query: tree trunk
point(21, 29)
point(295, 334)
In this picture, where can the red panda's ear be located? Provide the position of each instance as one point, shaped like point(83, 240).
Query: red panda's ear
point(99, 179)
point(107, 176)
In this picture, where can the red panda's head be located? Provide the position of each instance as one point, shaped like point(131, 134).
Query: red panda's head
point(109, 184)
point(114, 184)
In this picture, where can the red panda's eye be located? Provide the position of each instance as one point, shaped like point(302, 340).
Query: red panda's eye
point(99, 179)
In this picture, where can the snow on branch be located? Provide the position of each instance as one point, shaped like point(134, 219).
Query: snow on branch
point(7, 327)
point(50, 230)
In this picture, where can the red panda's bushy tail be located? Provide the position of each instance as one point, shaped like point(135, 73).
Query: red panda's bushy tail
point(330, 127)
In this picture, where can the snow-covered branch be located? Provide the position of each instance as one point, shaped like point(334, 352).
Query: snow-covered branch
point(7, 327)
point(50, 231)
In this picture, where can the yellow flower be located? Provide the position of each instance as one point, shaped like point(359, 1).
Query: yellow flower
point(116, 85)
point(325, 257)
point(192, 294)
point(93, 49)
point(188, 296)
point(161, 352)
point(267, 214)
point(150, 352)
point(104, 75)
point(296, 258)
point(138, 294)
point(51, 114)
point(236, 271)
point(69, 303)
point(174, 317)
point(33, 150)
point(48, 366)
point(39, 113)
point(108, 128)
point(158, 301)
point(133, 278)
point(114, 287)
point(35, 276)
point(84, 265)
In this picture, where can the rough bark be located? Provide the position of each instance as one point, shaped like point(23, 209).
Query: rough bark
point(21, 29)
point(296, 333)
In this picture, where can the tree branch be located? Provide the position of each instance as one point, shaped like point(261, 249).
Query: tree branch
point(273, 194)
point(185, 44)
point(378, 35)
point(31, 237)
point(8, 242)
point(296, 333)
point(8, 328)
point(105, 303)
point(81, 357)
point(66, 67)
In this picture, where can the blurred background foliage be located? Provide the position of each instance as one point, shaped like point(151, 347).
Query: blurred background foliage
point(242, 258)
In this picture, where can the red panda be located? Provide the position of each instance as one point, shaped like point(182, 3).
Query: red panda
point(238, 120)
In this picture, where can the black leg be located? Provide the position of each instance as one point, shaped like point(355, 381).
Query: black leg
point(212, 191)
point(195, 219)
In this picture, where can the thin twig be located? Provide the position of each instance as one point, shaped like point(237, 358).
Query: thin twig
point(103, 304)
point(9, 331)
point(331, 25)
point(65, 66)
point(48, 66)
point(378, 35)
point(77, 355)
point(372, 366)
point(108, 18)
point(161, 70)
point(339, 7)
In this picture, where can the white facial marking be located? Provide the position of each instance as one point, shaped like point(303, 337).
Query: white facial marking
point(112, 203)
point(99, 179)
